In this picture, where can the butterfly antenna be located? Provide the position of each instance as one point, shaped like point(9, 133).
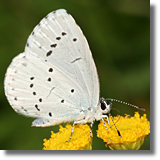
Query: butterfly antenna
point(115, 126)
point(119, 101)
point(119, 114)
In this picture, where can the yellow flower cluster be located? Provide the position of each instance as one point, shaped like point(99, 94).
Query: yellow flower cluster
point(81, 139)
point(133, 130)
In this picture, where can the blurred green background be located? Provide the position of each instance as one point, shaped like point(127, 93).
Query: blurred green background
point(118, 32)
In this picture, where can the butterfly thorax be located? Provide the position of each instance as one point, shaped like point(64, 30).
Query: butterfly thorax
point(96, 113)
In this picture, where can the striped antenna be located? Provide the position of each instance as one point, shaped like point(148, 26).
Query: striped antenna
point(119, 101)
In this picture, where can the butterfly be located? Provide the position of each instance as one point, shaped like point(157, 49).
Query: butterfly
point(55, 79)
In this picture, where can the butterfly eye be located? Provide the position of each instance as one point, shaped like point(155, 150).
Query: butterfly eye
point(103, 106)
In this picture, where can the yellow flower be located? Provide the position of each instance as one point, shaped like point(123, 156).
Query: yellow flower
point(133, 130)
point(81, 139)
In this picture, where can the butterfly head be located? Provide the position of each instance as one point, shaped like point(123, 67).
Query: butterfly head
point(105, 105)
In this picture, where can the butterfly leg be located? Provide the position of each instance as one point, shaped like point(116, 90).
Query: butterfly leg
point(105, 125)
point(73, 130)
point(91, 126)
point(105, 116)
point(115, 126)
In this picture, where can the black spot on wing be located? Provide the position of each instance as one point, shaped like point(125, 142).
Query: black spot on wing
point(49, 79)
point(74, 39)
point(34, 93)
point(36, 106)
point(58, 38)
point(53, 45)
point(50, 114)
point(40, 100)
point(63, 33)
point(23, 109)
point(50, 70)
point(72, 90)
point(31, 85)
point(49, 53)
point(76, 60)
point(31, 78)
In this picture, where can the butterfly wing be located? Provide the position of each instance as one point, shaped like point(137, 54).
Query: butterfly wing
point(55, 79)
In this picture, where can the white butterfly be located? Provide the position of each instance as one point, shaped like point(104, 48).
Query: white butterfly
point(55, 79)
